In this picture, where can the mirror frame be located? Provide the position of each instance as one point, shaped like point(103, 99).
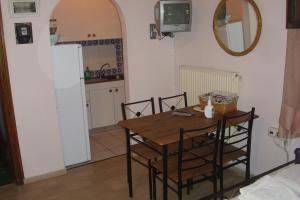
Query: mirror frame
point(258, 31)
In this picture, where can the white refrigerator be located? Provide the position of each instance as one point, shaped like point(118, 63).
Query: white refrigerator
point(71, 103)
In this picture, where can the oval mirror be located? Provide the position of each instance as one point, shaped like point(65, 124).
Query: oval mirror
point(237, 26)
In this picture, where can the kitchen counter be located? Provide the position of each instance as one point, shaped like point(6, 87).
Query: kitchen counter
point(105, 79)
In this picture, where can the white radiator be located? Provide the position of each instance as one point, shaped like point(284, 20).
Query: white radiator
point(196, 81)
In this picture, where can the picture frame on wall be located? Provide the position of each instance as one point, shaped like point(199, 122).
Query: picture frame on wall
point(293, 14)
point(23, 8)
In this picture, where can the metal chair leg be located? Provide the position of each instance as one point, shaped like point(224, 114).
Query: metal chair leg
point(221, 183)
point(129, 169)
point(247, 176)
point(215, 180)
point(150, 179)
point(179, 192)
point(154, 174)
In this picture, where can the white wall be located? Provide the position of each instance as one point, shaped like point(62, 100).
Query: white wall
point(262, 70)
point(76, 19)
point(149, 67)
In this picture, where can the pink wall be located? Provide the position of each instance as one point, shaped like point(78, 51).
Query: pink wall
point(30, 71)
point(149, 64)
point(76, 19)
point(262, 70)
point(149, 67)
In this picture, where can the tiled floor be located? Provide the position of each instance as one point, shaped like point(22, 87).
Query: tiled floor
point(105, 180)
point(107, 143)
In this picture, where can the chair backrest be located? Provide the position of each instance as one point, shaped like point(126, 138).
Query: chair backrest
point(202, 152)
point(172, 103)
point(240, 138)
point(138, 108)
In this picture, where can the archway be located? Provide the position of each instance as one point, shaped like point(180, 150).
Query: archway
point(91, 41)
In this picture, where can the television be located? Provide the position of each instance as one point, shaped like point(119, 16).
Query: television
point(173, 15)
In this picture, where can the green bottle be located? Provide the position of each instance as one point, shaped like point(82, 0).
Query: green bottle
point(87, 74)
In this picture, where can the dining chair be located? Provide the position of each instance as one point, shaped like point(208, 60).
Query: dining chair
point(235, 146)
point(170, 104)
point(173, 102)
point(196, 163)
point(145, 152)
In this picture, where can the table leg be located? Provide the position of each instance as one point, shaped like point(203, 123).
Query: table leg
point(165, 172)
point(129, 169)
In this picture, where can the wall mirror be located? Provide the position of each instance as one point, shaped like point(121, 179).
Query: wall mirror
point(237, 26)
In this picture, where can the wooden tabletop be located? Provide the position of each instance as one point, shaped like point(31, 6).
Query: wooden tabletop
point(163, 128)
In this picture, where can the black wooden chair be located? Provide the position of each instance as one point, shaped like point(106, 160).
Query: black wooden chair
point(196, 163)
point(145, 152)
point(235, 146)
point(172, 103)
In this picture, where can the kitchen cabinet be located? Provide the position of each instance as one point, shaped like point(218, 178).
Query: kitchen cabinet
point(102, 108)
point(119, 98)
point(105, 103)
point(88, 109)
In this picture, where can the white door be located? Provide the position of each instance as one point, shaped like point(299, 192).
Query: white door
point(119, 97)
point(102, 107)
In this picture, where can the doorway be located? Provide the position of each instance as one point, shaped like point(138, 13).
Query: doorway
point(11, 168)
point(96, 26)
point(5, 173)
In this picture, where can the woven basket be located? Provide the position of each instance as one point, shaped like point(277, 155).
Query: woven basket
point(222, 108)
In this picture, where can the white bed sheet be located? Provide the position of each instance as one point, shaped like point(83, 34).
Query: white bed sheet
point(280, 185)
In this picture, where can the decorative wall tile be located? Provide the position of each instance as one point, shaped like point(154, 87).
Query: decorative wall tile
point(117, 42)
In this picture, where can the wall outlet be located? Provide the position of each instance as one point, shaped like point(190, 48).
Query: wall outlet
point(153, 32)
point(273, 132)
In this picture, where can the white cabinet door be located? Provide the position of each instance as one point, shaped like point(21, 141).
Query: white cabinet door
point(102, 107)
point(119, 97)
point(88, 109)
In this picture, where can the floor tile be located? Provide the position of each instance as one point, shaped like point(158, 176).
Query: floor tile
point(107, 143)
point(119, 150)
point(112, 142)
point(105, 180)
point(96, 147)
point(101, 155)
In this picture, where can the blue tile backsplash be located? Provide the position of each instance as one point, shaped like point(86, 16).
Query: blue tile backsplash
point(118, 44)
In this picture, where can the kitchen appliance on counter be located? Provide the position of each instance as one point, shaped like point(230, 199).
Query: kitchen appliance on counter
point(71, 103)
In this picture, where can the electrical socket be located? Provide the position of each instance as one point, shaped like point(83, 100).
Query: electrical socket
point(273, 132)
point(153, 32)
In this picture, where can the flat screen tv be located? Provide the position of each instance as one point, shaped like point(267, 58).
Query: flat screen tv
point(173, 15)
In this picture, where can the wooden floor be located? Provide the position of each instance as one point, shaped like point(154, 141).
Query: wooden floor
point(105, 180)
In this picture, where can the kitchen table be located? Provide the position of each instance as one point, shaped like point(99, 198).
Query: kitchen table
point(163, 130)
